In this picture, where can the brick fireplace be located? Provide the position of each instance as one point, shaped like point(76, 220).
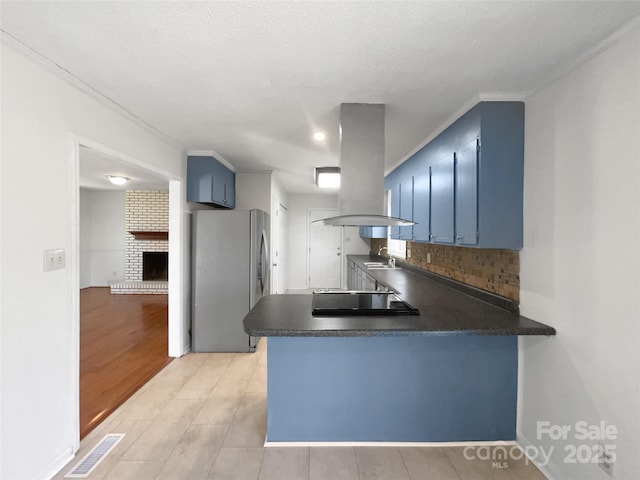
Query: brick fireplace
point(147, 232)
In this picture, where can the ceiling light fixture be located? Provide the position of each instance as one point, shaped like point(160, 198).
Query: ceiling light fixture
point(319, 136)
point(327, 177)
point(117, 180)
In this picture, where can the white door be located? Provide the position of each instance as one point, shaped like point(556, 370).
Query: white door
point(281, 252)
point(325, 251)
point(275, 241)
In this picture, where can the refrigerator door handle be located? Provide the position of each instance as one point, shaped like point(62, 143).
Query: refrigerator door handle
point(262, 264)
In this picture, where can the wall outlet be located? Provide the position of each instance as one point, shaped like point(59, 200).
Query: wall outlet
point(54, 259)
point(428, 258)
point(605, 459)
point(408, 253)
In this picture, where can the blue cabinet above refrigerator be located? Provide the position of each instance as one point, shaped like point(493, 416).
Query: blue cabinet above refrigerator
point(210, 182)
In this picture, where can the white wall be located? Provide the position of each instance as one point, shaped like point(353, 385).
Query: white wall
point(580, 263)
point(299, 205)
point(253, 190)
point(38, 379)
point(102, 237)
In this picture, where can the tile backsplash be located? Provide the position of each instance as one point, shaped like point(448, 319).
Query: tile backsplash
point(497, 271)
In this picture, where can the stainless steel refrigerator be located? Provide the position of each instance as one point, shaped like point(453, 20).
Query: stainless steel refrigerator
point(230, 273)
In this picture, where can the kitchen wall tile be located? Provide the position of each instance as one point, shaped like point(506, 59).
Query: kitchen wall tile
point(497, 271)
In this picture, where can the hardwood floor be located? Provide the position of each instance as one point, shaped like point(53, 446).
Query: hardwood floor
point(123, 344)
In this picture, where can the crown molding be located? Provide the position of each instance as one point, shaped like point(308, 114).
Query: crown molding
point(58, 70)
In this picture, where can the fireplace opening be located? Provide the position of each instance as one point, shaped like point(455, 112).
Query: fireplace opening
point(155, 266)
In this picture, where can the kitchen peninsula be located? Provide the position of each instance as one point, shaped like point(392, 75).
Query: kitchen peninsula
point(448, 374)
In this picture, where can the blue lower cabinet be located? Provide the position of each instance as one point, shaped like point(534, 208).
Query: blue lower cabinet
point(442, 200)
point(422, 388)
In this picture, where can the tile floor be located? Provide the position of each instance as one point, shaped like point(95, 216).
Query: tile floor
point(204, 417)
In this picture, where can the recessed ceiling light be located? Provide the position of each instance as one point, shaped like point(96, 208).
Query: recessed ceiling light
point(319, 136)
point(117, 180)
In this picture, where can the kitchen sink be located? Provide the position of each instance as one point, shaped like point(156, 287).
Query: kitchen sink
point(382, 267)
point(374, 264)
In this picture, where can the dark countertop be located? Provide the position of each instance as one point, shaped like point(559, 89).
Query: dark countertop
point(443, 310)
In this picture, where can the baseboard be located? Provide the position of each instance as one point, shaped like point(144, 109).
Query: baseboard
point(268, 444)
point(65, 457)
point(549, 470)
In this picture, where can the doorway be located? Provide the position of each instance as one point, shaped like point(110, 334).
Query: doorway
point(325, 251)
point(279, 255)
point(91, 162)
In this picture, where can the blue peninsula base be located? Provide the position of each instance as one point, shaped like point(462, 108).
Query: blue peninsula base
point(417, 388)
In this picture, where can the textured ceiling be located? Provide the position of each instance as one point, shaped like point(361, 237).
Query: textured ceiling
point(95, 166)
point(251, 80)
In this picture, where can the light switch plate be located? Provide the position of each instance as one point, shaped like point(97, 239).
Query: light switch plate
point(54, 259)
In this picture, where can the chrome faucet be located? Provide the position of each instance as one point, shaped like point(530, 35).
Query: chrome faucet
point(392, 261)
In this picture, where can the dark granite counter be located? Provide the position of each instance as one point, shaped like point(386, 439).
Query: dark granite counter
point(444, 309)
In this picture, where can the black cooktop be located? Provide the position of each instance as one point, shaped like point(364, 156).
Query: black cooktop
point(351, 303)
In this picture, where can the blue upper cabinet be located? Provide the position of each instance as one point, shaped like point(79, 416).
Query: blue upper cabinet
point(466, 198)
point(210, 182)
point(475, 168)
point(406, 207)
point(421, 197)
point(442, 200)
point(395, 209)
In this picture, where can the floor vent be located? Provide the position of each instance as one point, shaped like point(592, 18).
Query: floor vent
point(95, 456)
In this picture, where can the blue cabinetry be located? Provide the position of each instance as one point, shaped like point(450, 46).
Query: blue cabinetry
point(442, 200)
point(467, 182)
point(466, 200)
point(395, 209)
point(421, 202)
point(406, 207)
point(210, 182)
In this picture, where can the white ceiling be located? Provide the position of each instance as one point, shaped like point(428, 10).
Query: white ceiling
point(94, 166)
point(252, 80)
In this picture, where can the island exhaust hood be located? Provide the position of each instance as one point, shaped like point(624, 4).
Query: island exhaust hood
point(361, 195)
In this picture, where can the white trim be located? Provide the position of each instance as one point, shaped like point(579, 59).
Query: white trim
point(468, 105)
point(520, 386)
point(268, 444)
point(212, 153)
point(549, 470)
point(176, 231)
point(58, 464)
point(73, 271)
point(308, 251)
point(557, 74)
point(593, 52)
point(76, 82)
point(176, 329)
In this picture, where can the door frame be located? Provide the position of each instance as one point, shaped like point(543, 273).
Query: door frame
point(176, 326)
point(278, 244)
point(342, 259)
